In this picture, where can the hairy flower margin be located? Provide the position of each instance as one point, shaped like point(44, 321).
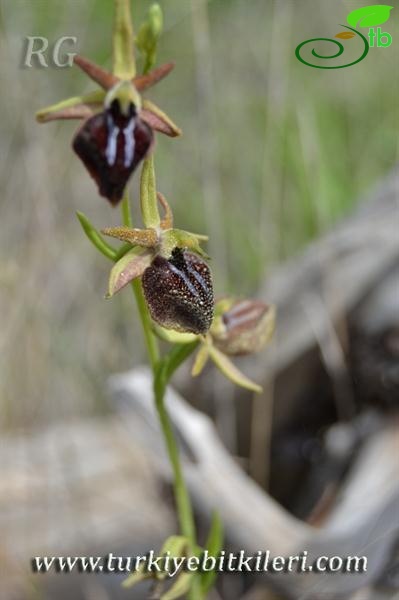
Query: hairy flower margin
point(166, 266)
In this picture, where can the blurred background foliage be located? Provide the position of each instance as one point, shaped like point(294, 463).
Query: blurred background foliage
point(273, 154)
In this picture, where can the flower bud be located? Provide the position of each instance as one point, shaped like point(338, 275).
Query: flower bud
point(243, 327)
point(111, 144)
point(179, 292)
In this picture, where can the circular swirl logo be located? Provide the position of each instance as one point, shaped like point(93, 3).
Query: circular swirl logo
point(339, 52)
point(366, 16)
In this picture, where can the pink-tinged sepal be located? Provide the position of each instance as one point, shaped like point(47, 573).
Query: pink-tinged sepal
point(96, 73)
point(111, 145)
point(158, 120)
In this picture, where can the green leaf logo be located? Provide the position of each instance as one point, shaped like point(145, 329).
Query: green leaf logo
point(369, 16)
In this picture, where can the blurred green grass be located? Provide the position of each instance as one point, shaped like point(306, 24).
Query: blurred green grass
point(273, 154)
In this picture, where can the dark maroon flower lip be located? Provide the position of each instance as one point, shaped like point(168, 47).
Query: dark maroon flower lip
point(111, 145)
point(113, 140)
point(179, 292)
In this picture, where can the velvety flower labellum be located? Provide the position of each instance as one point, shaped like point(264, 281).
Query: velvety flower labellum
point(244, 328)
point(111, 144)
point(179, 292)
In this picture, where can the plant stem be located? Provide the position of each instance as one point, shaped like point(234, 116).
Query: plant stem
point(183, 504)
point(165, 370)
point(162, 369)
point(151, 341)
point(126, 213)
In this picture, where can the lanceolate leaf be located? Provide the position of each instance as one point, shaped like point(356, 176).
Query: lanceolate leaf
point(230, 371)
point(369, 16)
point(129, 267)
point(95, 238)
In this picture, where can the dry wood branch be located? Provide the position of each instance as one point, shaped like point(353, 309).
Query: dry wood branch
point(363, 522)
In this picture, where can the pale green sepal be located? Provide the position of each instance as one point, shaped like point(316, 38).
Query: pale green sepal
point(124, 65)
point(96, 97)
point(230, 371)
point(129, 267)
point(148, 195)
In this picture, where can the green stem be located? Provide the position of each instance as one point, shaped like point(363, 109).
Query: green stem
point(126, 213)
point(124, 67)
point(165, 370)
point(182, 498)
point(151, 341)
